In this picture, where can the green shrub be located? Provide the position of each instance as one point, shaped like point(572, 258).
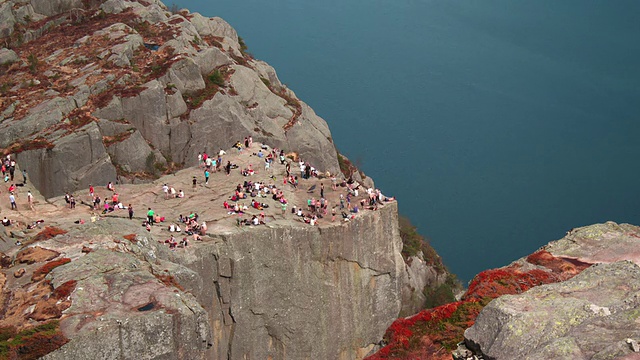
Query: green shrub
point(243, 46)
point(442, 294)
point(217, 78)
point(33, 63)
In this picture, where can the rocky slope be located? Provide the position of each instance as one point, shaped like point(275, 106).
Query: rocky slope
point(93, 90)
point(576, 298)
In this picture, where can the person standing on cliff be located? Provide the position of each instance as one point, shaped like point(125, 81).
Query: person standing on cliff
point(227, 168)
point(30, 200)
point(150, 215)
point(91, 190)
point(206, 177)
point(165, 189)
point(322, 190)
point(12, 199)
point(130, 208)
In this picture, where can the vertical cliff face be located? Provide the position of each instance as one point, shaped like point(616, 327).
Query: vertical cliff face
point(290, 292)
point(286, 291)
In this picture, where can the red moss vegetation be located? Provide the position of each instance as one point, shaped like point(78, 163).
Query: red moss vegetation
point(432, 334)
point(63, 291)
point(31, 343)
point(131, 237)
point(169, 281)
point(556, 264)
point(47, 233)
point(28, 144)
point(41, 272)
point(213, 41)
point(35, 254)
point(110, 140)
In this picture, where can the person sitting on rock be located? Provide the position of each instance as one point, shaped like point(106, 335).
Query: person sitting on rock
point(172, 242)
point(6, 222)
point(110, 186)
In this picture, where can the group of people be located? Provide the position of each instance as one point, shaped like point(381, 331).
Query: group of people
point(170, 192)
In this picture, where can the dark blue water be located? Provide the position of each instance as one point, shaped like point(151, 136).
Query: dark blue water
point(499, 125)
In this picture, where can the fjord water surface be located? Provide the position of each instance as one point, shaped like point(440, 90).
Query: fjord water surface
point(499, 125)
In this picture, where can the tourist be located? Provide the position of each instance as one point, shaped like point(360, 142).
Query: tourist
point(130, 208)
point(206, 177)
point(150, 215)
point(180, 194)
point(165, 190)
point(30, 200)
point(194, 181)
point(91, 190)
point(12, 199)
point(6, 222)
point(72, 202)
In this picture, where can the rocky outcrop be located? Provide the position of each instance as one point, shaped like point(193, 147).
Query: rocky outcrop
point(182, 81)
point(285, 291)
point(553, 304)
point(587, 317)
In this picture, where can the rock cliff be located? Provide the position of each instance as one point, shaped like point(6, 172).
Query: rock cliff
point(278, 292)
point(576, 298)
point(143, 89)
point(283, 290)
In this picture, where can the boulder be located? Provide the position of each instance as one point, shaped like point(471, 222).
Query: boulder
point(153, 13)
point(147, 111)
point(54, 7)
point(252, 90)
point(39, 117)
point(185, 76)
point(210, 59)
point(132, 153)
point(8, 56)
point(77, 160)
point(586, 317)
point(176, 105)
point(7, 19)
point(115, 6)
